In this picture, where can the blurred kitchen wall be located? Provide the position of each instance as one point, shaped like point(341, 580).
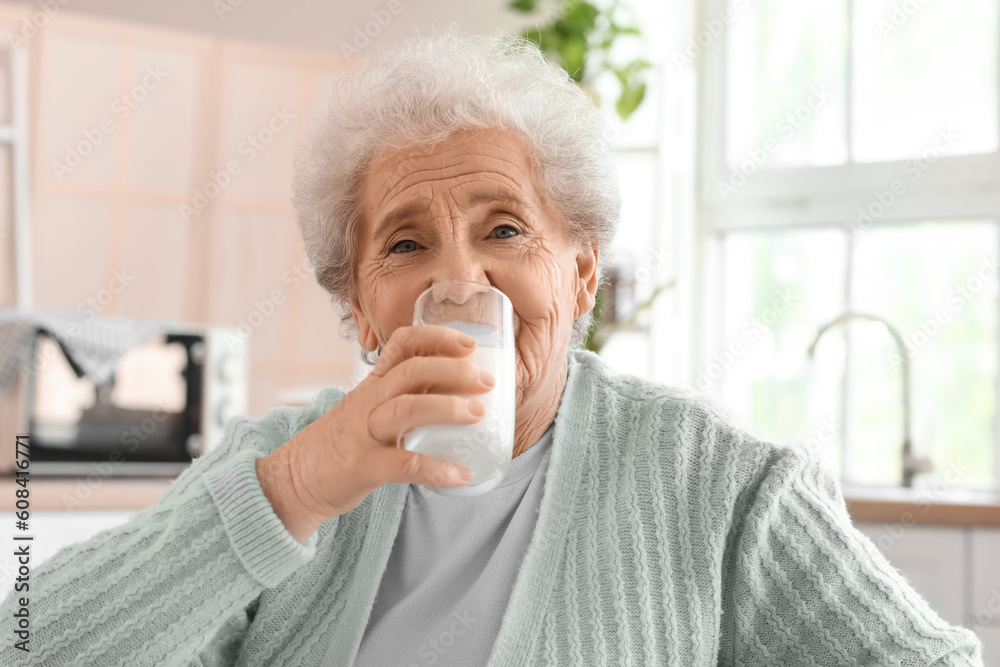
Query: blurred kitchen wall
point(161, 143)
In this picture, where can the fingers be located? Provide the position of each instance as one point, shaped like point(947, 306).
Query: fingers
point(419, 380)
point(420, 375)
point(408, 411)
point(400, 466)
point(422, 340)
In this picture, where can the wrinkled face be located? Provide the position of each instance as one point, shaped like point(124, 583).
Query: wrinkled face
point(469, 209)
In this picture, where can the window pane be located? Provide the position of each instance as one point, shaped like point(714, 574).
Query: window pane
point(778, 287)
point(937, 283)
point(786, 74)
point(920, 67)
point(637, 174)
point(639, 263)
point(628, 352)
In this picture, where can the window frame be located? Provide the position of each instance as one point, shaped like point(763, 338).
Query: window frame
point(787, 198)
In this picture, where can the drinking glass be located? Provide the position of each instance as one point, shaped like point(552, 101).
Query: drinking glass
point(485, 313)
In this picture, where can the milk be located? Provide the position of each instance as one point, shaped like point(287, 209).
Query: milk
point(486, 446)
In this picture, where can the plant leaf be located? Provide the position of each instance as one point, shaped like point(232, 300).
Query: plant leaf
point(630, 99)
point(525, 6)
point(574, 52)
point(582, 15)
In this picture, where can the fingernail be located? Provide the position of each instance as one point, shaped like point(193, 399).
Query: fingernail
point(486, 377)
point(461, 475)
point(467, 340)
point(476, 408)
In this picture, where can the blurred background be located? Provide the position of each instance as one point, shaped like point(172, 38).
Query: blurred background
point(811, 200)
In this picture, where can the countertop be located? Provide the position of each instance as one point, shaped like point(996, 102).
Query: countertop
point(55, 494)
point(868, 504)
point(923, 506)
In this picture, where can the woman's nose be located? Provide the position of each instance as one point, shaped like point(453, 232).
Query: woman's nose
point(458, 275)
point(457, 291)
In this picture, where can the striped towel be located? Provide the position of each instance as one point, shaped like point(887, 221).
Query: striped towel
point(93, 344)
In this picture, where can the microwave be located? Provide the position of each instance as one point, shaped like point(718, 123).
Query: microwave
point(166, 403)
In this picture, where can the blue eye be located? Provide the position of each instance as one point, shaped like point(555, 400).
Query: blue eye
point(402, 243)
point(396, 249)
point(507, 227)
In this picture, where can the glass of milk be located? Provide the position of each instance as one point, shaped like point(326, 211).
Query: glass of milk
point(485, 313)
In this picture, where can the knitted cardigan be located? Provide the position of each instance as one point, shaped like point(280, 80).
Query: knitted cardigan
point(667, 535)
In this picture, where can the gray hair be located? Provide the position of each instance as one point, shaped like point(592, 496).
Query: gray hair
point(422, 91)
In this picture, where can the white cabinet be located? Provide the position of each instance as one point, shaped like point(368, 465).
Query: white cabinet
point(932, 558)
point(985, 603)
point(53, 531)
point(990, 637)
point(986, 569)
point(955, 568)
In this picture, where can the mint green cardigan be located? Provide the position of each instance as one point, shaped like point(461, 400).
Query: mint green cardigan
point(667, 535)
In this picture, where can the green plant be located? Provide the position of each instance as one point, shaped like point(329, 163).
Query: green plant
point(580, 39)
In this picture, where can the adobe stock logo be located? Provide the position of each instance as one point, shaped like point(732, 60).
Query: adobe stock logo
point(901, 14)
point(757, 157)
point(32, 25)
point(122, 107)
point(431, 650)
point(249, 148)
point(915, 168)
point(363, 35)
point(751, 332)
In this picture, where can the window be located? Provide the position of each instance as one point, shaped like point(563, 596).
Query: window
point(849, 162)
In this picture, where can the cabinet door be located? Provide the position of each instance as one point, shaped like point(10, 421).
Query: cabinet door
point(932, 558)
point(985, 599)
point(986, 576)
point(990, 637)
point(52, 532)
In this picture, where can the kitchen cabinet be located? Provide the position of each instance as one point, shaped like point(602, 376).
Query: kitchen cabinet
point(955, 568)
point(932, 558)
point(53, 531)
point(985, 559)
point(991, 644)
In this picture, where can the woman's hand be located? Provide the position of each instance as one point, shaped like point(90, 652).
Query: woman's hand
point(329, 467)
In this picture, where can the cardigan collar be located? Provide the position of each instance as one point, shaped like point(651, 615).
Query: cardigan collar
point(536, 576)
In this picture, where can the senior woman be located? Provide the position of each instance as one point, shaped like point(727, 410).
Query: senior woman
point(637, 524)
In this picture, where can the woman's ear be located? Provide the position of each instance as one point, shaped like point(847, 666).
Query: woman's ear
point(586, 265)
point(366, 335)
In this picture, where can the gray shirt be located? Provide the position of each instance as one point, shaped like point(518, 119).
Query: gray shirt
point(452, 568)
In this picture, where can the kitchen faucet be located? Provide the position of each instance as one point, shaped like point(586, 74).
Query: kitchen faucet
point(911, 464)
